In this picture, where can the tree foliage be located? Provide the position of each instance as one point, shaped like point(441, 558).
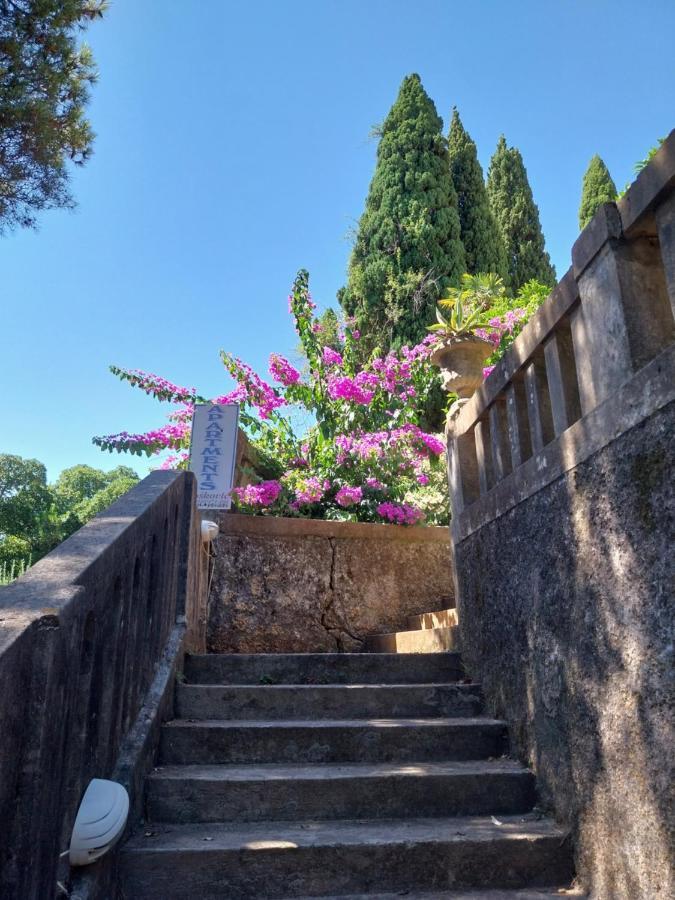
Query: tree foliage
point(408, 247)
point(517, 216)
point(80, 483)
point(597, 188)
point(116, 488)
point(44, 89)
point(482, 240)
point(36, 516)
point(25, 498)
point(328, 327)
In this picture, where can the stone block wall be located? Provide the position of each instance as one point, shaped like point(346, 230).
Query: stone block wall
point(300, 585)
point(566, 617)
point(89, 640)
point(561, 482)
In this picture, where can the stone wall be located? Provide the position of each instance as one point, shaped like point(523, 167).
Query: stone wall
point(562, 495)
point(300, 585)
point(566, 617)
point(89, 640)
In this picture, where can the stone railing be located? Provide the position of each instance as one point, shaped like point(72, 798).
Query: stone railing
point(89, 640)
point(561, 480)
point(592, 362)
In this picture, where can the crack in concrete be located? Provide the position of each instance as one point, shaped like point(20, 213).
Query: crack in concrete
point(331, 578)
point(335, 632)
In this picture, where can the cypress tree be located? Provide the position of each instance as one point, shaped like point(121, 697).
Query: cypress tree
point(408, 246)
point(517, 216)
point(483, 244)
point(597, 188)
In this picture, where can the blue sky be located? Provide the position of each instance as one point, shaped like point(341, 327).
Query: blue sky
point(233, 148)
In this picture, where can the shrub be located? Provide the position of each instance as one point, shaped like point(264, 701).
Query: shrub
point(364, 458)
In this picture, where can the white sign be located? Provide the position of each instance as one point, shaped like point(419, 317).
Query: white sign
point(213, 451)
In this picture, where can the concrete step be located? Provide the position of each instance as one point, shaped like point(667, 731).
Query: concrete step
point(351, 791)
point(352, 701)
point(429, 640)
point(550, 893)
point(280, 859)
point(441, 618)
point(321, 668)
point(206, 742)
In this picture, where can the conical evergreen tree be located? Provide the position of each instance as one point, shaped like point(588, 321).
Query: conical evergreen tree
point(517, 216)
point(483, 244)
point(597, 188)
point(408, 246)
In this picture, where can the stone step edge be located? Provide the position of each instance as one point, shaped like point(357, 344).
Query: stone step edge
point(542, 893)
point(417, 623)
point(462, 686)
point(548, 893)
point(289, 656)
point(445, 639)
point(239, 772)
point(254, 837)
point(458, 722)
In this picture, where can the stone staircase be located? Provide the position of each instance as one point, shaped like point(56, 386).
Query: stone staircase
point(366, 776)
point(431, 632)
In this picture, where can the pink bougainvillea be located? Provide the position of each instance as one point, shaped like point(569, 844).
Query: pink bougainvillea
point(262, 494)
point(311, 490)
point(348, 496)
point(400, 513)
point(363, 449)
point(342, 387)
point(331, 357)
point(282, 371)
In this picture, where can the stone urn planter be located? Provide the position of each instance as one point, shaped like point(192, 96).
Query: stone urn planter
point(461, 360)
point(283, 585)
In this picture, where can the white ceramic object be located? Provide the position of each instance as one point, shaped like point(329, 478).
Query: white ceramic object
point(99, 822)
point(209, 531)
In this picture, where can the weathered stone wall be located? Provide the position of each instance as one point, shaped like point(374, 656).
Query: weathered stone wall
point(299, 585)
point(89, 639)
point(560, 471)
point(566, 616)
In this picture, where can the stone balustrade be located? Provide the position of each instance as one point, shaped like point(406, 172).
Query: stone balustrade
point(562, 491)
point(581, 369)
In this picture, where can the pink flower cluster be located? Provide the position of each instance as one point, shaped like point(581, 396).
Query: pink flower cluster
point(342, 387)
point(182, 415)
point(238, 395)
point(348, 496)
point(282, 371)
point(263, 494)
point(158, 438)
point(389, 374)
point(311, 490)
point(156, 386)
point(501, 325)
point(376, 444)
point(420, 351)
point(392, 371)
point(498, 327)
point(374, 484)
point(400, 513)
point(331, 357)
point(252, 389)
point(171, 462)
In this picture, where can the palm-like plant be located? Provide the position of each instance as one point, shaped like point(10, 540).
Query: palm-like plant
point(468, 305)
